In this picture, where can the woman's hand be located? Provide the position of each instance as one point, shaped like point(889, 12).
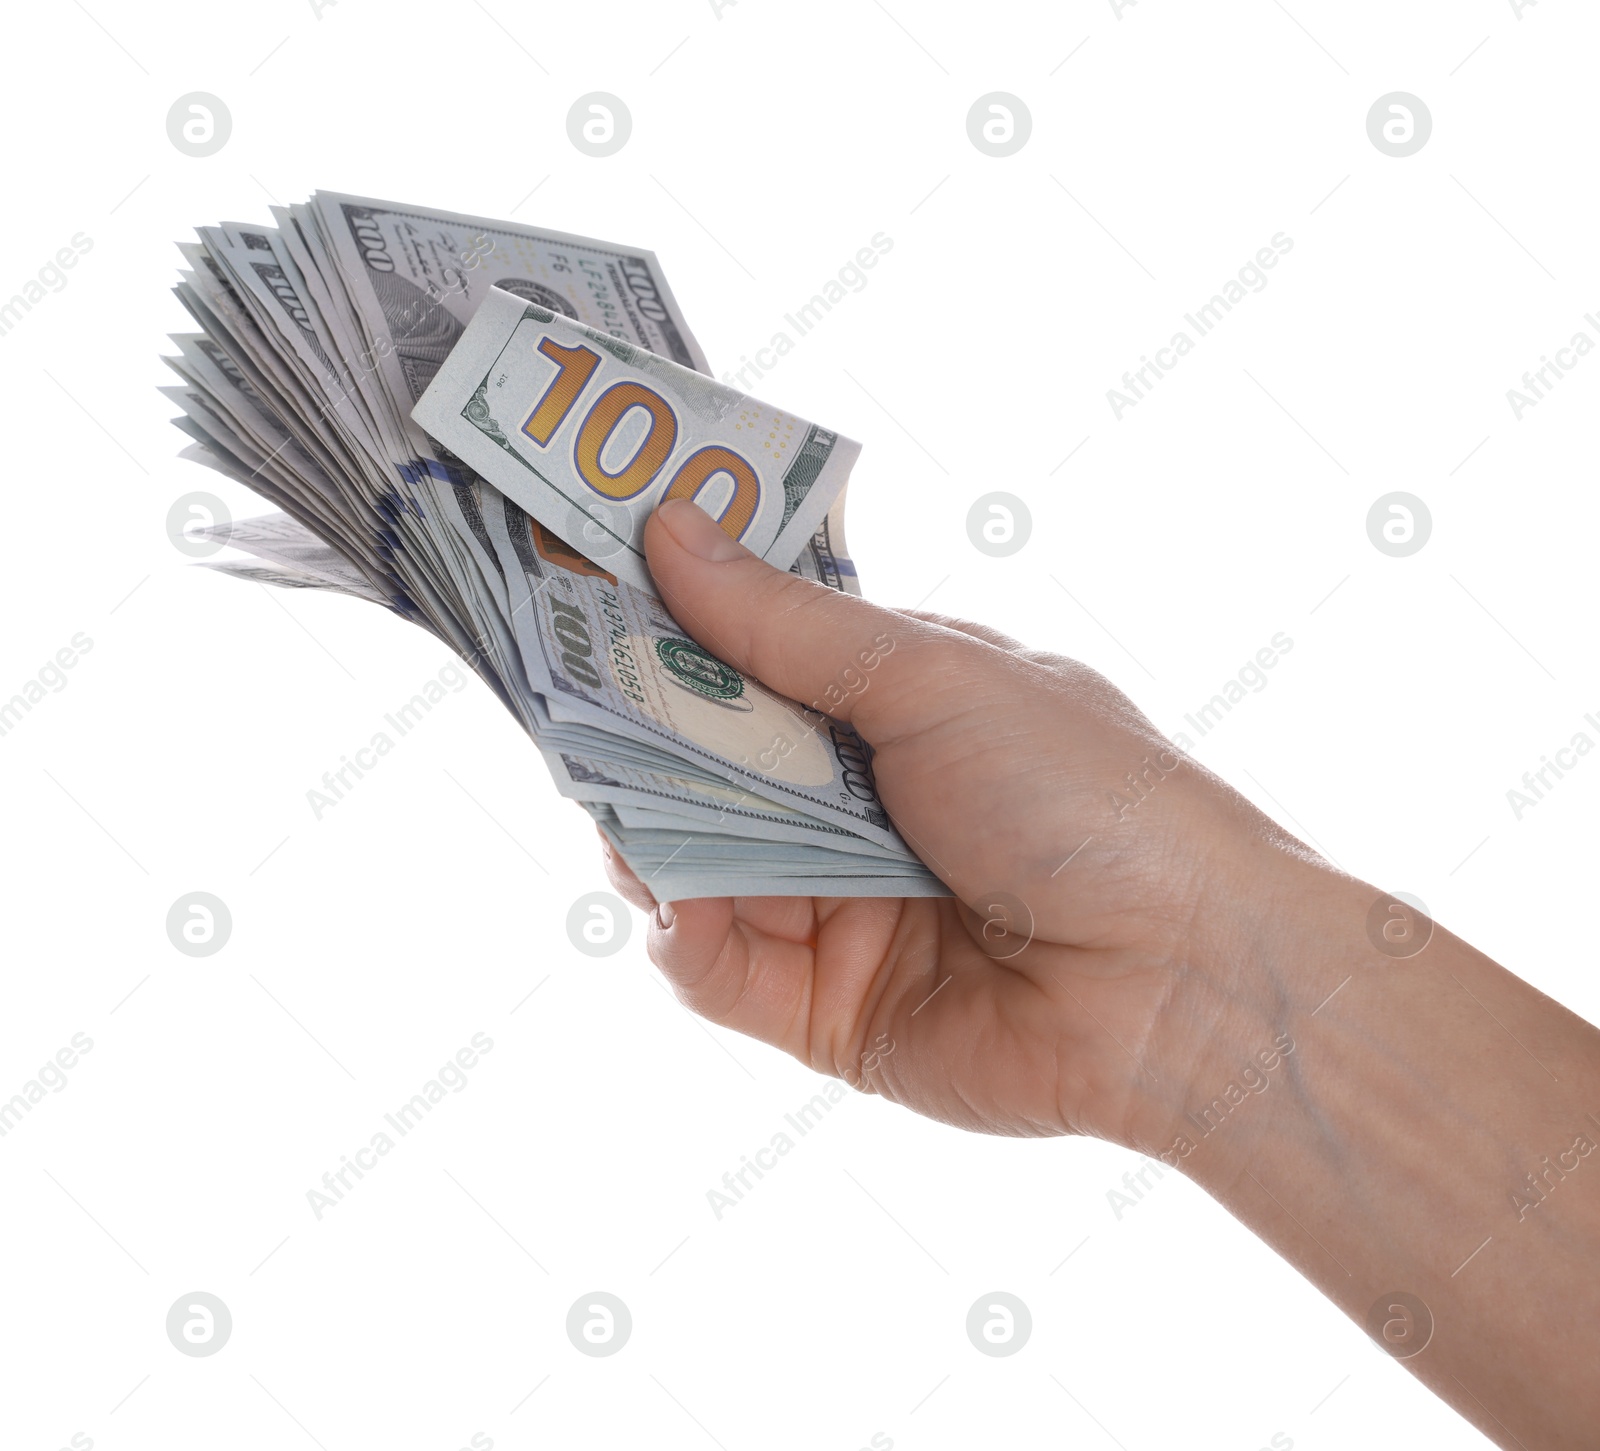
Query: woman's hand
point(1129, 940)
point(1109, 891)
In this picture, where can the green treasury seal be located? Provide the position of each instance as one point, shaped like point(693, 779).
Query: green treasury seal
point(697, 671)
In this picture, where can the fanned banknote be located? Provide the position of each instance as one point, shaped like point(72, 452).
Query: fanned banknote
point(589, 434)
point(330, 374)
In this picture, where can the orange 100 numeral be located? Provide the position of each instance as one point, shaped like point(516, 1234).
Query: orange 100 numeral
point(575, 366)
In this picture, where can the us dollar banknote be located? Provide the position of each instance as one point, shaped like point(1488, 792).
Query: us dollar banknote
point(606, 654)
point(417, 276)
point(468, 422)
point(590, 433)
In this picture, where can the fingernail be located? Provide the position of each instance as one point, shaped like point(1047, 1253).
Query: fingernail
point(665, 915)
point(696, 531)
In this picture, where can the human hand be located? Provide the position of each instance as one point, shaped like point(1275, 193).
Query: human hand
point(1108, 890)
point(1126, 932)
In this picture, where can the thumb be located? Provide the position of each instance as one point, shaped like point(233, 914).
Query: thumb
point(840, 655)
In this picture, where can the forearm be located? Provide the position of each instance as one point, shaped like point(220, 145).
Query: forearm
point(1432, 1133)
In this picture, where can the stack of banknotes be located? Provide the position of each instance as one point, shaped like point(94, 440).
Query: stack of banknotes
point(469, 422)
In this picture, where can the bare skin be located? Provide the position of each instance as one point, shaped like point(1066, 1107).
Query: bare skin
point(1130, 947)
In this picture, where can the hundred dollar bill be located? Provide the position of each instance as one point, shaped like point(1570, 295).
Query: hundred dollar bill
point(286, 576)
point(697, 803)
point(416, 276)
point(283, 541)
point(589, 434)
point(317, 339)
point(412, 277)
point(608, 656)
point(674, 865)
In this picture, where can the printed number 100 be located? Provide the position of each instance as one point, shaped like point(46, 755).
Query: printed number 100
point(575, 366)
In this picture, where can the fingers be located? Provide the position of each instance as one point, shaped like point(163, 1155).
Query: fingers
point(746, 965)
point(752, 976)
point(623, 882)
point(728, 970)
point(813, 644)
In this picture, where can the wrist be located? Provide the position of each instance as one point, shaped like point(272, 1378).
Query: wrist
point(1277, 935)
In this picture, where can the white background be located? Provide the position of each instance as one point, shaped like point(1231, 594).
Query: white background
point(768, 145)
